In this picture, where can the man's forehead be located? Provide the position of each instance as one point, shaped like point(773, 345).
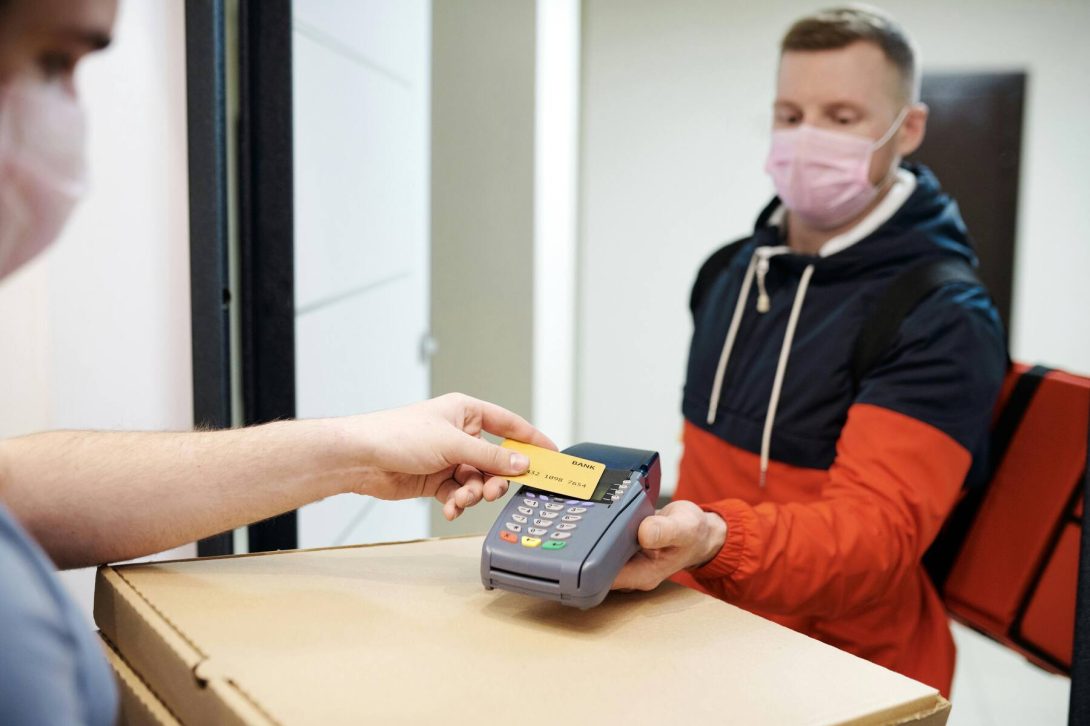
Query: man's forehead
point(91, 21)
point(858, 73)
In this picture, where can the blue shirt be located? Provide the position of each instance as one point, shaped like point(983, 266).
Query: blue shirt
point(52, 669)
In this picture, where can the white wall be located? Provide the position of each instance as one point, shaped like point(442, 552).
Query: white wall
point(482, 210)
point(556, 206)
point(96, 332)
point(676, 107)
point(361, 96)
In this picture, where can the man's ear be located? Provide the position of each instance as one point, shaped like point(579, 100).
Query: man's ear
point(912, 130)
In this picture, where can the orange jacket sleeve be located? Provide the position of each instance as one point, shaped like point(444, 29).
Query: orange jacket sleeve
point(891, 486)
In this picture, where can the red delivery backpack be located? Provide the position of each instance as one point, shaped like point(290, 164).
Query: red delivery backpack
point(1006, 562)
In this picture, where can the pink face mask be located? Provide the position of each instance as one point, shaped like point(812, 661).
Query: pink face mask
point(824, 176)
point(42, 168)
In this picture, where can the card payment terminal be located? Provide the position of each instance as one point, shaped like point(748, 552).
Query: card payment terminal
point(571, 550)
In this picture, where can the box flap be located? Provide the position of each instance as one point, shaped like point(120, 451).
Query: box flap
point(164, 658)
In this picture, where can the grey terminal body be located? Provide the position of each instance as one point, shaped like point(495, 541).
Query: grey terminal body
point(567, 549)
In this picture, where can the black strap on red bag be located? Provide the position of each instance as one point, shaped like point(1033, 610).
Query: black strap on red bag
point(900, 298)
point(940, 557)
point(1079, 706)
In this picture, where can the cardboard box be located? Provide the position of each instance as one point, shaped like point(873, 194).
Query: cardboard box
point(406, 634)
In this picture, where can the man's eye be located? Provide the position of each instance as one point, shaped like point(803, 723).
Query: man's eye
point(55, 65)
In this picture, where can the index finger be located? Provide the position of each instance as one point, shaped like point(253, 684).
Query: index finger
point(499, 421)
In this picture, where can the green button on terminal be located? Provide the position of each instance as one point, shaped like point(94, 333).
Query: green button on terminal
point(554, 545)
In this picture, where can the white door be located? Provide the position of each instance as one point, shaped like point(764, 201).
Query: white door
point(361, 97)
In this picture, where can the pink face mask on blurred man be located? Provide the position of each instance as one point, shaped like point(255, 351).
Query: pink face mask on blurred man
point(823, 176)
point(42, 167)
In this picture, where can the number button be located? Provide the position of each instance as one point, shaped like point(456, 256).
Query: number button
point(526, 510)
point(576, 510)
point(535, 531)
point(513, 527)
point(554, 507)
point(519, 518)
point(543, 522)
point(550, 515)
point(563, 527)
point(558, 535)
point(570, 518)
point(530, 502)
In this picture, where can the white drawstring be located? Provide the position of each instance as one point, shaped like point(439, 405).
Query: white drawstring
point(781, 370)
point(764, 304)
point(728, 344)
point(758, 263)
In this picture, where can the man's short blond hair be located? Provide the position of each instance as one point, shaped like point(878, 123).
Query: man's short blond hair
point(839, 27)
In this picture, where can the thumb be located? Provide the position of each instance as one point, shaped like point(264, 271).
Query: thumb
point(657, 532)
point(487, 457)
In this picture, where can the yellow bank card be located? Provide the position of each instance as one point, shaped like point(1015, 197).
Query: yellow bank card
point(556, 472)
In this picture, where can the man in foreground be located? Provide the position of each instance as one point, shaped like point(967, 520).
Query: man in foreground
point(71, 499)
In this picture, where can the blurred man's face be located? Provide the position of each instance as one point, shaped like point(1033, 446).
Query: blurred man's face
point(42, 127)
point(854, 89)
point(47, 38)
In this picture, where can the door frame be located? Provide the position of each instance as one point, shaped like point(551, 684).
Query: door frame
point(242, 301)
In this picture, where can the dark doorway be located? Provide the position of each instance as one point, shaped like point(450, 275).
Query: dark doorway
point(974, 146)
point(265, 300)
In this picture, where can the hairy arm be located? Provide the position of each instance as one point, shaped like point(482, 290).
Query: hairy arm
point(93, 497)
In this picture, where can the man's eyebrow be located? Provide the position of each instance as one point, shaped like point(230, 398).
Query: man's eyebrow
point(93, 39)
point(850, 105)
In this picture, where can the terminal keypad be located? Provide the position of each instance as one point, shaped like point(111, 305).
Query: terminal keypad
point(537, 513)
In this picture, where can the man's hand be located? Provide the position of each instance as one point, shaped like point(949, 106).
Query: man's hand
point(679, 537)
point(434, 448)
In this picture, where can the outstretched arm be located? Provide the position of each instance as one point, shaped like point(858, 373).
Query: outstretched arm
point(91, 497)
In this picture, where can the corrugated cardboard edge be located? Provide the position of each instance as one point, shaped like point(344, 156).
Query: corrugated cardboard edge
point(929, 711)
point(292, 552)
point(935, 716)
point(138, 705)
point(188, 682)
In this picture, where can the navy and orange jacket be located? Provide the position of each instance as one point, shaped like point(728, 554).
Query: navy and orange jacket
point(859, 479)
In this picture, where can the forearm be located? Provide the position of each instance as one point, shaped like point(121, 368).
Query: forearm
point(91, 497)
point(822, 558)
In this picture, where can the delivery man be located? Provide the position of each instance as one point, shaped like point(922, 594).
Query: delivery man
point(82, 498)
point(803, 496)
